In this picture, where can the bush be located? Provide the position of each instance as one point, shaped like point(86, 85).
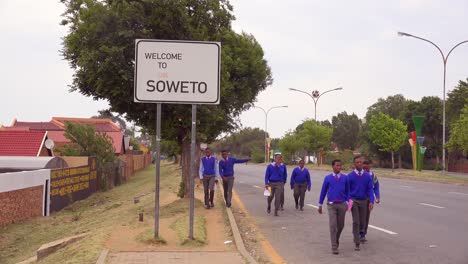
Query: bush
point(181, 191)
point(346, 156)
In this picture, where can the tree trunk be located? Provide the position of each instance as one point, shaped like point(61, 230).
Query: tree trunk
point(399, 161)
point(185, 162)
point(437, 158)
point(393, 162)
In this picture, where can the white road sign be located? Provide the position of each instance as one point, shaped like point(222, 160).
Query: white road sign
point(179, 72)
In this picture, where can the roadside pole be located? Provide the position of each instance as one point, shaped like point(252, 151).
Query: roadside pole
point(169, 71)
point(192, 169)
point(158, 167)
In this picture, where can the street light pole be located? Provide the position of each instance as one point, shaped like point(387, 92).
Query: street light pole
point(315, 95)
point(444, 60)
point(266, 125)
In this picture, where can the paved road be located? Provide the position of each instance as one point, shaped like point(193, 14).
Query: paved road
point(416, 222)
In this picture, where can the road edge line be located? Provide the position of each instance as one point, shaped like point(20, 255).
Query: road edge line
point(267, 247)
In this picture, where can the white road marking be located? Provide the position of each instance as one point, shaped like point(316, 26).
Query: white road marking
point(258, 187)
point(383, 230)
point(431, 205)
point(241, 181)
point(406, 186)
point(459, 193)
point(311, 205)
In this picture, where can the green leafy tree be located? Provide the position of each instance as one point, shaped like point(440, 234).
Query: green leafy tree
point(459, 136)
point(346, 129)
point(387, 133)
point(456, 100)
point(85, 141)
point(247, 142)
point(315, 137)
point(393, 106)
point(290, 145)
point(100, 47)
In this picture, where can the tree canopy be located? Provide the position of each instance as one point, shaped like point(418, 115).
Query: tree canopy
point(459, 136)
point(85, 141)
point(100, 47)
point(456, 100)
point(346, 129)
point(387, 133)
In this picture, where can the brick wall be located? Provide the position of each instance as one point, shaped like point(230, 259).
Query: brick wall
point(20, 204)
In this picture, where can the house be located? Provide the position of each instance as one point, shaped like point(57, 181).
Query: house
point(21, 142)
point(56, 129)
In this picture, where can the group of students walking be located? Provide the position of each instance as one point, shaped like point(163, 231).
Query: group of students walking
point(355, 192)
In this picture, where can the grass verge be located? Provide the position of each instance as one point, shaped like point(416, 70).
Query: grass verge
point(180, 226)
point(100, 214)
point(147, 237)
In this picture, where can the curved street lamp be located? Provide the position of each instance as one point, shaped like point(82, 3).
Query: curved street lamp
point(315, 95)
point(266, 125)
point(444, 60)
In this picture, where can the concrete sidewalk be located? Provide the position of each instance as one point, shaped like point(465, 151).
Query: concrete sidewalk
point(165, 257)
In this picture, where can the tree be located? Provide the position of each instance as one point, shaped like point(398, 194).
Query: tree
point(85, 141)
point(392, 106)
point(100, 47)
point(315, 137)
point(459, 136)
point(388, 133)
point(248, 142)
point(456, 100)
point(290, 145)
point(346, 129)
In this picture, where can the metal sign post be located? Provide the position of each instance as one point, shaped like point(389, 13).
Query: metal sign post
point(176, 72)
point(158, 167)
point(192, 169)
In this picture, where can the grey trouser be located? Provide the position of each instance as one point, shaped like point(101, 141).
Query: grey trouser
point(359, 211)
point(208, 185)
point(228, 182)
point(367, 220)
point(277, 189)
point(282, 196)
point(299, 193)
point(336, 216)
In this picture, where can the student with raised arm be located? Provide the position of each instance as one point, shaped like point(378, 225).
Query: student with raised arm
point(336, 187)
point(226, 171)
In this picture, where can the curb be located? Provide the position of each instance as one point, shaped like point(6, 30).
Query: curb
point(238, 239)
point(103, 256)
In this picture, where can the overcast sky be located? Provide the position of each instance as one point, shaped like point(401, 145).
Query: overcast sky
point(310, 44)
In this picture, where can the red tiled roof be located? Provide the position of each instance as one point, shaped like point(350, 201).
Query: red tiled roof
point(21, 143)
point(100, 124)
point(57, 136)
point(117, 141)
point(42, 126)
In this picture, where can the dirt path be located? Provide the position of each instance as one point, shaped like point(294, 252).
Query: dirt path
point(126, 237)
